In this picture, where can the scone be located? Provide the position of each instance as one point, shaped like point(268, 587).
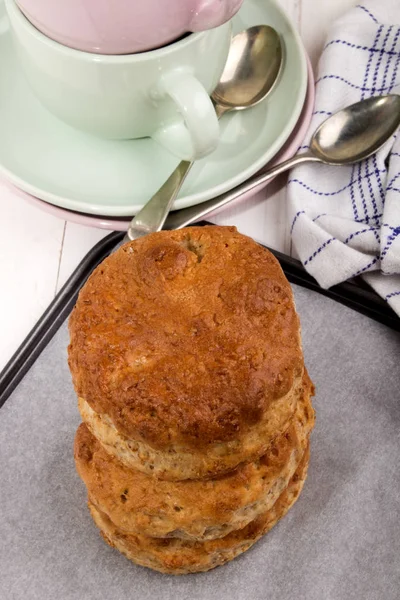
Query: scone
point(192, 509)
point(185, 352)
point(177, 556)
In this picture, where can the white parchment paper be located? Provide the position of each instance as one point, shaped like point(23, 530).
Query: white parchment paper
point(340, 541)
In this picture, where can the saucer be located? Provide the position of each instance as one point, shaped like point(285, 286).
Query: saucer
point(121, 224)
point(62, 166)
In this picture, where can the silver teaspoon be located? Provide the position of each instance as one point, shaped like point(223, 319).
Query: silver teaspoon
point(346, 137)
point(252, 68)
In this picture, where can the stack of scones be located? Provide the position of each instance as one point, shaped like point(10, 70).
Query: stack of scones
point(186, 358)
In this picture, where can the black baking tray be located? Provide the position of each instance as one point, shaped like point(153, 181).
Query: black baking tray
point(354, 294)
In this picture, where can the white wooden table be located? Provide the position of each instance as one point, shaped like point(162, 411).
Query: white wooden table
point(38, 251)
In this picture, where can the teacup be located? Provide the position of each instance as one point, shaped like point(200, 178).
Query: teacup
point(163, 94)
point(124, 26)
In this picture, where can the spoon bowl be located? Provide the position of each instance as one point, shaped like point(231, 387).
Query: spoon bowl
point(356, 132)
point(251, 71)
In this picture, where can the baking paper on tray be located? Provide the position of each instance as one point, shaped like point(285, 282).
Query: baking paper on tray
point(341, 540)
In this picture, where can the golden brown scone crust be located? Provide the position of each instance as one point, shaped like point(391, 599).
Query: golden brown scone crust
point(191, 509)
point(176, 464)
point(186, 339)
point(178, 557)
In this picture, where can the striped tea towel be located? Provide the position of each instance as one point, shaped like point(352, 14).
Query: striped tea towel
point(345, 221)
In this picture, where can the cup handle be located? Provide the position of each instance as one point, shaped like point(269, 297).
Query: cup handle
point(198, 134)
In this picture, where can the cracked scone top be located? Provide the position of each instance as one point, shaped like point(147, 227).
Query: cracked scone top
point(185, 352)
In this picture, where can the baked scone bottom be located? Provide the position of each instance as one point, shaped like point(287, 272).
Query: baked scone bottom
point(191, 509)
point(178, 557)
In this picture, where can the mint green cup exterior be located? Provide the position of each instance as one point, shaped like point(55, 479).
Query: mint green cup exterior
point(163, 94)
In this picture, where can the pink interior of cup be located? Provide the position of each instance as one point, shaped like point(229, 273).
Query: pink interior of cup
point(124, 26)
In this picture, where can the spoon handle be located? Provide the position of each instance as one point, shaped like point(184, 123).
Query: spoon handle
point(186, 216)
point(153, 214)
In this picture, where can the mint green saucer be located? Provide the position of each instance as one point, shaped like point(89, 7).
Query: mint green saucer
point(60, 165)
